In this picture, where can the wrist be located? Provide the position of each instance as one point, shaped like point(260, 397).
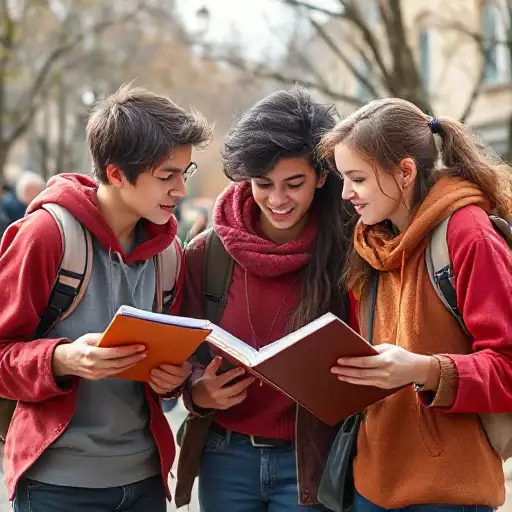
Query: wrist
point(423, 370)
point(428, 373)
point(60, 367)
point(194, 395)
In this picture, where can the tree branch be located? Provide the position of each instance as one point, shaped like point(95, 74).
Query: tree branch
point(289, 80)
point(339, 53)
point(314, 8)
point(28, 106)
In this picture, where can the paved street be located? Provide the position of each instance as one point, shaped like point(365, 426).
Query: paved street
point(175, 419)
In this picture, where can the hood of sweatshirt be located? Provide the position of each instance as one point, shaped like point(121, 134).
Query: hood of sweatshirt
point(77, 193)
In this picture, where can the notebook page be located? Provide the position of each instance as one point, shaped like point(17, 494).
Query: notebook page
point(180, 321)
point(277, 346)
point(232, 345)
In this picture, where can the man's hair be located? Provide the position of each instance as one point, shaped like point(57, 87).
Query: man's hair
point(136, 129)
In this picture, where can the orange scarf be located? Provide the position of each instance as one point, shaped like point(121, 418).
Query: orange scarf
point(384, 251)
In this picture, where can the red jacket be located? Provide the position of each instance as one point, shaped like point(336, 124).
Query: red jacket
point(30, 254)
point(482, 269)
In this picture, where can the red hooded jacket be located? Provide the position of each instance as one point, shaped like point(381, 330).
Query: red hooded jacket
point(30, 254)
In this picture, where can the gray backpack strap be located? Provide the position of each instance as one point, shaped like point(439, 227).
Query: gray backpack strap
point(167, 270)
point(218, 271)
point(503, 227)
point(440, 270)
point(74, 270)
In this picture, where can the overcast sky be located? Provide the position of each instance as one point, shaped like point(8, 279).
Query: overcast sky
point(257, 24)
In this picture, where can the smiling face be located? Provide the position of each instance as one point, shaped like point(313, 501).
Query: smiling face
point(376, 194)
point(156, 193)
point(285, 196)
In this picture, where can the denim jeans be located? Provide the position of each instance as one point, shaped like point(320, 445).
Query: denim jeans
point(147, 495)
point(361, 504)
point(237, 477)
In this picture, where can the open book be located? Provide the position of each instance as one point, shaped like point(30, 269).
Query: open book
point(298, 365)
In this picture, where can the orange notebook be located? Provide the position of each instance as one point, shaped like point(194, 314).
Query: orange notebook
point(166, 341)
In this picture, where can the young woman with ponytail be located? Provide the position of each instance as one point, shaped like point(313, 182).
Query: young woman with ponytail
point(424, 448)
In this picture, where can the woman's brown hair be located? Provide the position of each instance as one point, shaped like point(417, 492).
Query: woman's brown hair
point(388, 130)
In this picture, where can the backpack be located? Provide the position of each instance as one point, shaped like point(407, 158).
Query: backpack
point(498, 427)
point(217, 275)
point(73, 277)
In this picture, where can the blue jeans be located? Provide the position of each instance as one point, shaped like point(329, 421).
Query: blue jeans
point(147, 495)
point(237, 477)
point(361, 504)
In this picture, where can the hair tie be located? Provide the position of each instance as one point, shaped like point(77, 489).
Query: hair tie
point(435, 125)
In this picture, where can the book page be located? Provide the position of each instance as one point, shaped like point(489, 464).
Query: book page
point(278, 346)
point(180, 321)
point(232, 345)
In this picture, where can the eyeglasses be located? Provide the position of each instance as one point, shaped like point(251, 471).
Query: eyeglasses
point(189, 171)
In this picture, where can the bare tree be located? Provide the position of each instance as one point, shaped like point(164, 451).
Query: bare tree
point(39, 38)
point(351, 37)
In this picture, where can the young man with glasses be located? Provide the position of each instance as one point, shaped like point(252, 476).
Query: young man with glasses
point(81, 439)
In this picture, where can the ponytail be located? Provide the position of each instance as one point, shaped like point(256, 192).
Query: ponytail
point(464, 156)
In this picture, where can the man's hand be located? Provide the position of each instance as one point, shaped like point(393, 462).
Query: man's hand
point(213, 391)
point(168, 377)
point(85, 359)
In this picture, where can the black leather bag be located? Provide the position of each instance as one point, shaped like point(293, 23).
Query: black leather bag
point(336, 489)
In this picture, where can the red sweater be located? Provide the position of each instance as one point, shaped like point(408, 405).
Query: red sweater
point(272, 274)
point(30, 254)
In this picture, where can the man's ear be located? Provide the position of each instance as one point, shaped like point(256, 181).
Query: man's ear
point(115, 175)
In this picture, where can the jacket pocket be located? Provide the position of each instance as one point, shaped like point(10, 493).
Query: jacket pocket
point(429, 431)
point(214, 442)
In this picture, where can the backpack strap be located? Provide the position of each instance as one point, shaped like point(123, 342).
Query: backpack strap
point(74, 270)
point(167, 272)
point(217, 274)
point(440, 270)
point(218, 271)
point(439, 265)
point(503, 227)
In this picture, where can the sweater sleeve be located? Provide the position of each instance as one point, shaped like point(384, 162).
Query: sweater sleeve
point(30, 255)
point(482, 380)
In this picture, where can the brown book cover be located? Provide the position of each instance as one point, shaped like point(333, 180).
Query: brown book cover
point(302, 371)
point(299, 365)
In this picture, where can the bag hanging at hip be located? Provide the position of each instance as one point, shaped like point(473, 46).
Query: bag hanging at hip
point(336, 490)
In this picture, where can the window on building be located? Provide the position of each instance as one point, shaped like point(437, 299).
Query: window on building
point(495, 25)
point(425, 44)
point(490, 23)
point(363, 93)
